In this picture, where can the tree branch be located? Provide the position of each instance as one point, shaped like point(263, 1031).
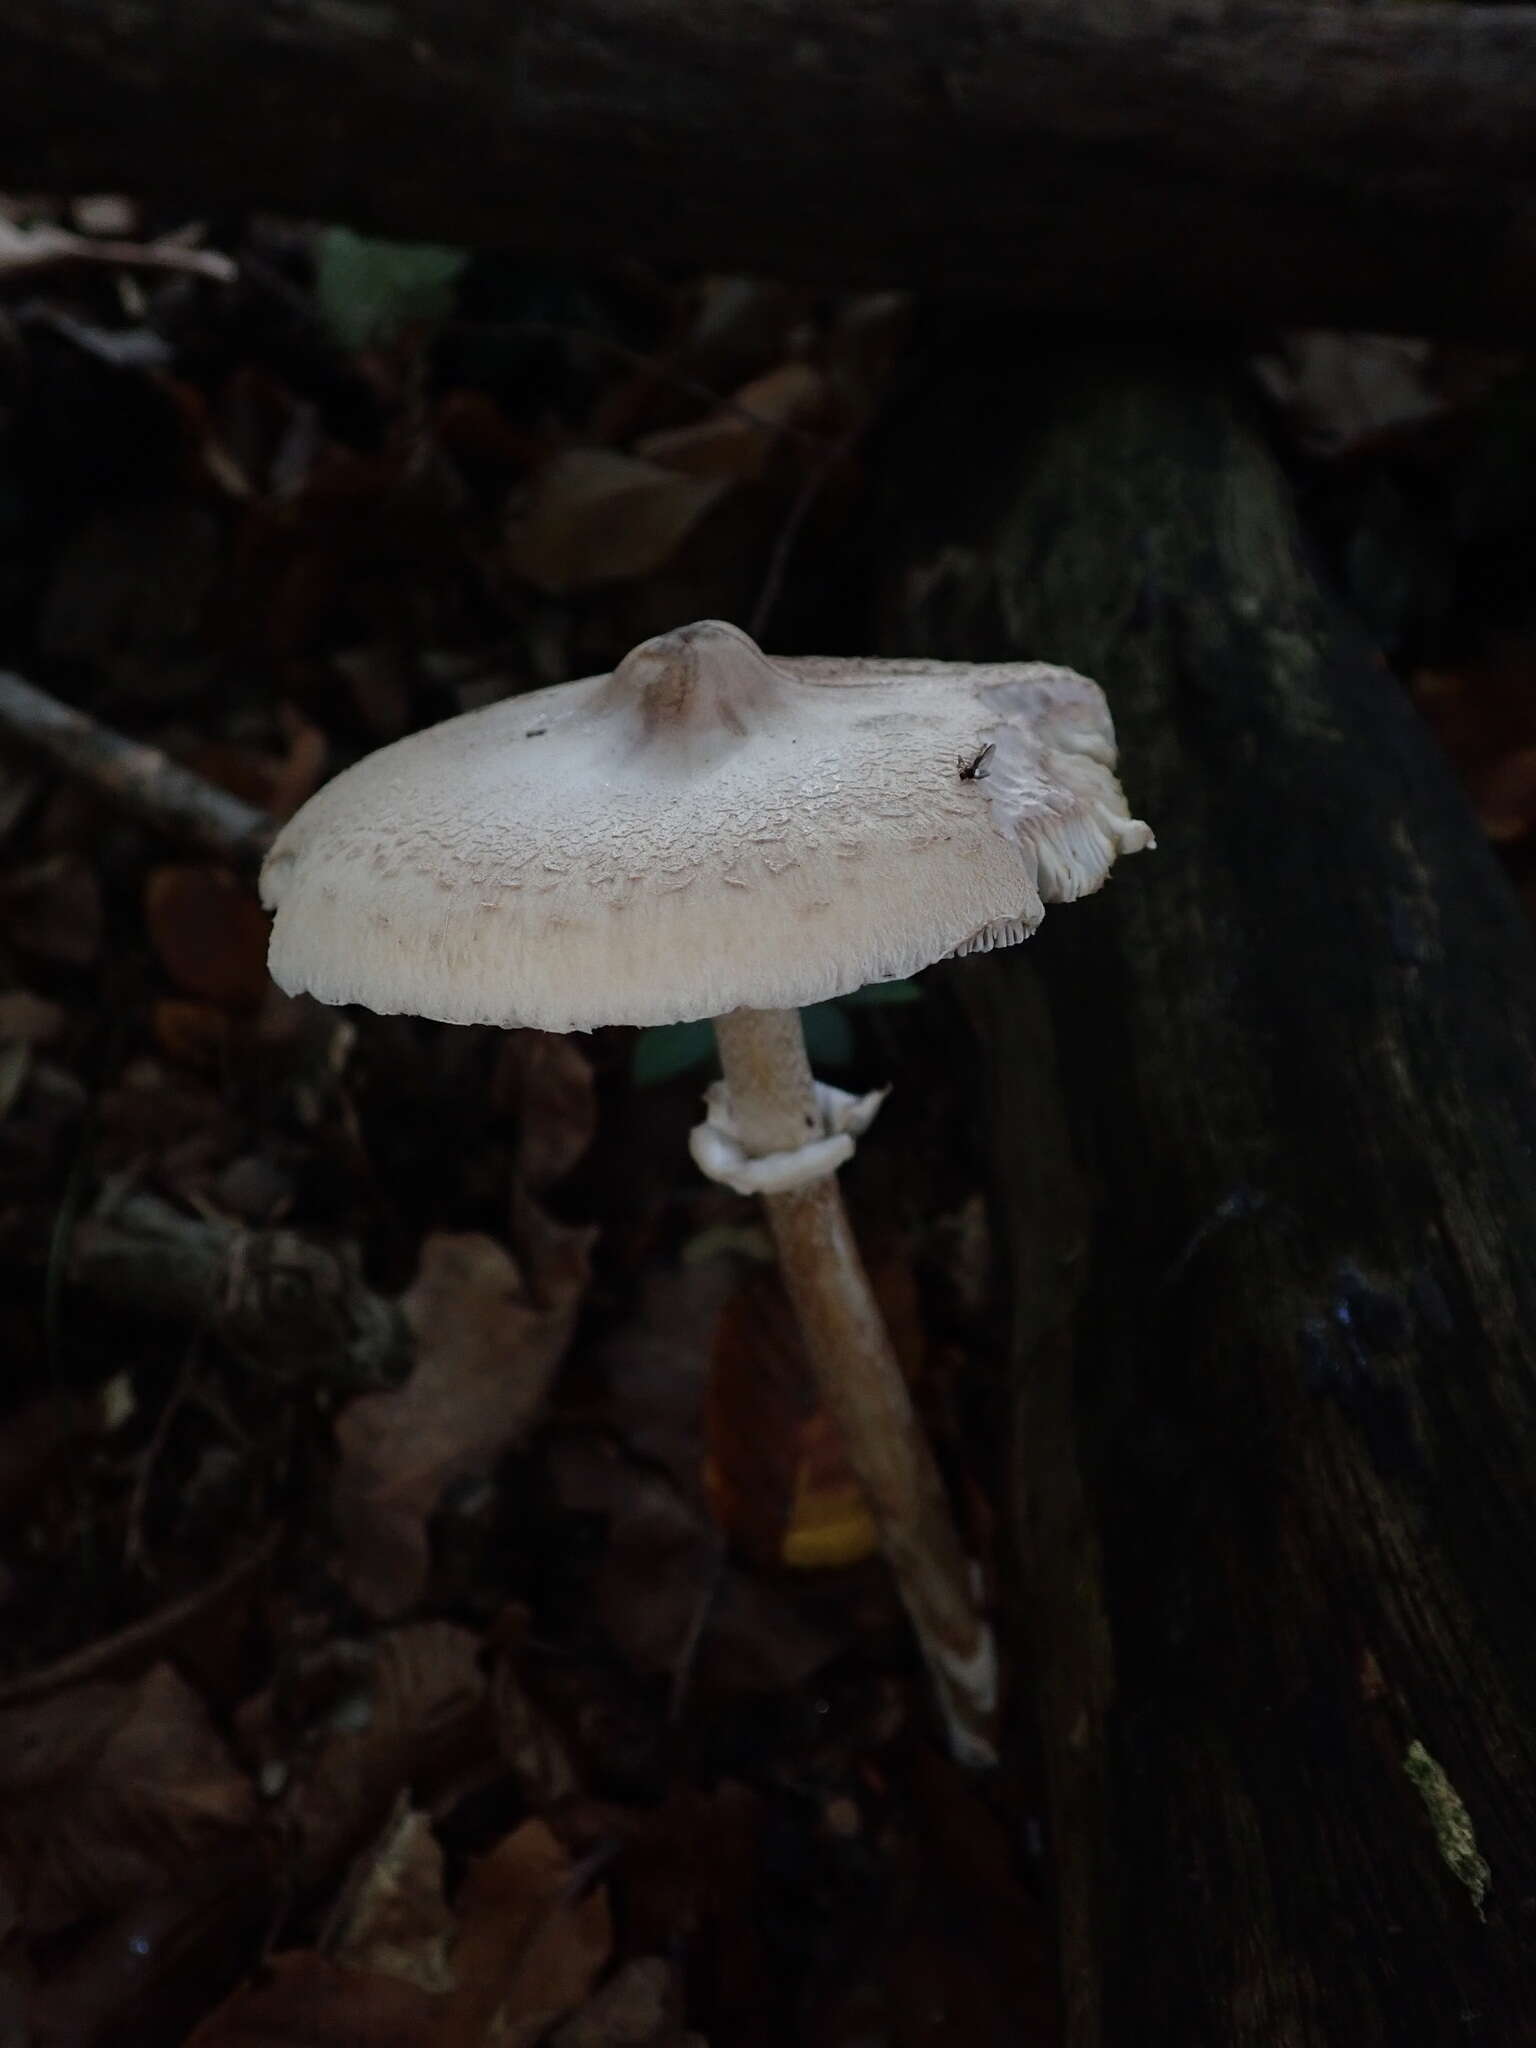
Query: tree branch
point(139, 778)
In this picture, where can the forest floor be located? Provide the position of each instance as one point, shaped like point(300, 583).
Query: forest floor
point(432, 1607)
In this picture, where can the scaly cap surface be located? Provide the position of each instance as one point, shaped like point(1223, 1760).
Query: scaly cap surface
point(705, 829)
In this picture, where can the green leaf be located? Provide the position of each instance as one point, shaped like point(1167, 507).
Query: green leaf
point(663, 1051)
point(878, 994)
point(369, 289)
point(828, 1035)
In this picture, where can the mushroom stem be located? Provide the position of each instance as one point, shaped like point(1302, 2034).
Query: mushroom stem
point(774, 1105)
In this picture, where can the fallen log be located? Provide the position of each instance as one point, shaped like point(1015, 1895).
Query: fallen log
point(1265, 1133)
point(1230, 160)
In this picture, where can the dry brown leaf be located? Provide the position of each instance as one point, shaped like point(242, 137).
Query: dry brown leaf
point(415, 1713)
point(529, 1742)
point(305, 2001)
point(737, 323)
point(398, 1923)
point(210, 934)
point(526, 1949)
point(545, 1079)
point(661, 1568)
point(488, 1341)
point(530, 1948)
point(737, 441)
point(109, 1792)
point(596, 516)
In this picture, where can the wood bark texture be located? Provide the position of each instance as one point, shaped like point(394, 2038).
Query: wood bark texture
point(1265, 1117)
point(1228, 159)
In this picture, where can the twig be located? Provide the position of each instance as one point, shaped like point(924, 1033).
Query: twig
point(140, 778)
point(141, 1642)
point(25, 250)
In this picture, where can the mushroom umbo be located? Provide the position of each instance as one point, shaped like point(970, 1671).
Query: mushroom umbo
point(713, 832)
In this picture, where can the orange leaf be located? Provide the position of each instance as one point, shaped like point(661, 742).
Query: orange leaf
point(305, 2001)
point(775, 1470)
point(529, 1948)
point(210, 934)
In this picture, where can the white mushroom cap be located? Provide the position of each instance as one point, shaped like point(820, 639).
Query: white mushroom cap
point(706, 829)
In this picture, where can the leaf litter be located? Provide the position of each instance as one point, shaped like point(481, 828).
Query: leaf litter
point(433, 1608)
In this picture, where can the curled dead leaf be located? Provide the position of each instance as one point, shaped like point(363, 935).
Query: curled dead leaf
point(596, 516)
point(397, 1922)
point(737, 441)
point(109, 1792)
point(531, 1944)
point(488, 1340)
point(415, 1710)
point(527, 1944)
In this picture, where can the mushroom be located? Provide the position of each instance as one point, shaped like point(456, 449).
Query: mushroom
point(711, 832)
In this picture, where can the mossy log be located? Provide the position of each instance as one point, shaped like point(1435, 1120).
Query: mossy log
point(1264, 1118)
